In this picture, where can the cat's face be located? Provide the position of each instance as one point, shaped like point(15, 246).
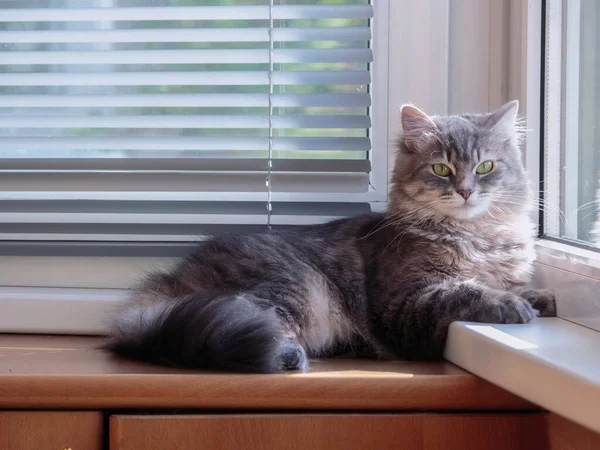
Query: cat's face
point(461, 167)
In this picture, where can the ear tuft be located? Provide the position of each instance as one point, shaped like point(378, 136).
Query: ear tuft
point(504, 119)
point(417, 127)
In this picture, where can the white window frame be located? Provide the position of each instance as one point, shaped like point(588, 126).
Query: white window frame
point(573, 272)
point(461, 56)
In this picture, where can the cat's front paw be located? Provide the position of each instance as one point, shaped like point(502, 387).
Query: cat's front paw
point(542, 300)
point(506, 308)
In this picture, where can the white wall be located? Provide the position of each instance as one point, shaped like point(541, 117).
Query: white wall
point(451, 56)
point(456, 56)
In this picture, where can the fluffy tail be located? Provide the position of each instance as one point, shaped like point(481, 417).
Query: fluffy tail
point(200, 331)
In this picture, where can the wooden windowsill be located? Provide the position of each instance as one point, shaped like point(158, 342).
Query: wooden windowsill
point(68, 372)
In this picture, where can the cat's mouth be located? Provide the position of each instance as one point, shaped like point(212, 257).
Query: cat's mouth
point(461, 209)
point(467, 210)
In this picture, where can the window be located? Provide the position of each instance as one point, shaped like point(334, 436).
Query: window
point(131, 128)
point(166, 120)
point(572, 118)
point(570, 157)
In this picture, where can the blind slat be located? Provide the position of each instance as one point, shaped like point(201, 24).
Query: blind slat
point(240, 78)
point(252, 56)
point(186, 35)
point(161, 219)
point(182, 207)
point(184, 143)
point(128, 181)
point(156, 218)
point(129, 207)
point(187, 121)
point(182, 164)
point(42, 237)
point(136, 35)
point(120, 232)
point(139, 196)
point(238, 12)
point(186, 100)
point(307, 182)
point(182, 182)
point(318, 143)
point(174, 196)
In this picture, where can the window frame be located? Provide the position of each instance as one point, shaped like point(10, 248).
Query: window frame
point(570, 268)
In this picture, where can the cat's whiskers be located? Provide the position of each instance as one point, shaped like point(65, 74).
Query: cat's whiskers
point(411, 225)
point(575, 212)
point(497, 208)
point(421, 217)
point(393, 219)
point(588, 214)
point(511, 199)
point(591, 204)
point(396, 219)
point(377, 227)
point(588, 204)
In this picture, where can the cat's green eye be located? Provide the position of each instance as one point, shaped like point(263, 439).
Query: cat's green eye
point(441, 170)
point(484, 167)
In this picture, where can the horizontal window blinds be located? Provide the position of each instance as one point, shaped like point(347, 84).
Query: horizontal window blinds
point(167, 120)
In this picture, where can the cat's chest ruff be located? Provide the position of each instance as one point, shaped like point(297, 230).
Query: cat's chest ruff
point(501, 254)
point(505, 261)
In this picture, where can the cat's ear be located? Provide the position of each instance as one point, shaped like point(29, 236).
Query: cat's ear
point(504, 120)
point(417, 127)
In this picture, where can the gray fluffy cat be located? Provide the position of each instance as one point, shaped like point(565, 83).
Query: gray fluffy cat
point(456, 244)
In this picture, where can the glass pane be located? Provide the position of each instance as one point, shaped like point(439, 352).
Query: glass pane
point(572, 128)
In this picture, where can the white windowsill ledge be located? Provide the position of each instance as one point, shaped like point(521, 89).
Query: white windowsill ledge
point(551, 362)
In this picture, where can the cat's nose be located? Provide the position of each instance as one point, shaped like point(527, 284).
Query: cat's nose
point(465, 193)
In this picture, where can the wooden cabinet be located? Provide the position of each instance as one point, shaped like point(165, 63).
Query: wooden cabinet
point(85, 430)
point(566, 435)
point(57, 391)
point(329, 432)
point(50, 430)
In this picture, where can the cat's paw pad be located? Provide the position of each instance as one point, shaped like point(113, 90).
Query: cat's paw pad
point(542, 300)
point(508, 308)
